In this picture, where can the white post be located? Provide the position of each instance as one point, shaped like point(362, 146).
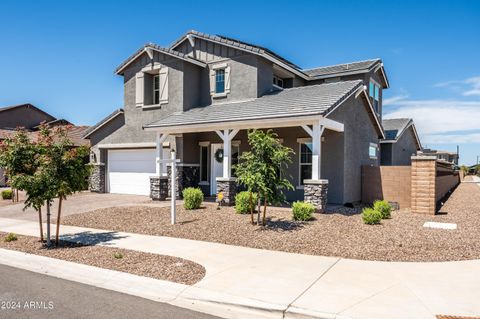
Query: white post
point(317, 131)
point(227, 137)
point(160, 138)
point(173, 191)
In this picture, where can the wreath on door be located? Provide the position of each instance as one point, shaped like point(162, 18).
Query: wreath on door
point(219, 155)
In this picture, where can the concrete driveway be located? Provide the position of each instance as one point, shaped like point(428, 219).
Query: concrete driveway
point(80, 203)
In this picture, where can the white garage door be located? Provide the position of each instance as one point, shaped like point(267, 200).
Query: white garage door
point(129, 171)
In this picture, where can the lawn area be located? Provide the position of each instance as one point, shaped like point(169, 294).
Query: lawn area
point(138, 263)
point(339, 232)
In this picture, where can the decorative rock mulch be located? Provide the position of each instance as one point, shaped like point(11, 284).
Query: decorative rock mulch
point(339, 232)
point(138, 263)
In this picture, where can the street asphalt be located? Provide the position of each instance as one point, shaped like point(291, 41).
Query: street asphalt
point(25, 294)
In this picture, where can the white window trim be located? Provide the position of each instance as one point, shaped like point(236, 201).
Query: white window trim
point(206, 145)
point(154, 90)
point(300, 142)
point(376, 151)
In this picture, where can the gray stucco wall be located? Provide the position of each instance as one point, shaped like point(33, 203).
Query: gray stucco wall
point(359, 132)
point(404, 148)
point(386, 154)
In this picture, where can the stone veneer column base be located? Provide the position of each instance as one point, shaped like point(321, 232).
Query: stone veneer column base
point(158, 187)
point(96, 181)
point(228, 186)
point(315, 192)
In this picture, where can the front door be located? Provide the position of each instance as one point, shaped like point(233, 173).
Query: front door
point(216, 165)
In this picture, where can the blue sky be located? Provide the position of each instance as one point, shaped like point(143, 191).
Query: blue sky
point(61, 55)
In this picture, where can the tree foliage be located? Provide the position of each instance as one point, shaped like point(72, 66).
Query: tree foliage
point(263, 168)
point(45, 165)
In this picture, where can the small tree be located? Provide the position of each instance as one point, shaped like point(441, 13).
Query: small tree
point(263, 169)
point(19, 158)
point(46, 169)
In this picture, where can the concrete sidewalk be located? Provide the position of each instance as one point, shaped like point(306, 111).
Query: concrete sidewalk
point(246, 282)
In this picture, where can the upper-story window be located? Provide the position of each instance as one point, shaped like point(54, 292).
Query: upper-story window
point(220, 81)
point(278, 81)
point(156, 89)
point(374, 93)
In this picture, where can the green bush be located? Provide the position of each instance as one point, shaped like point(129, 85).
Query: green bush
point(7, 194)
point(302, 211)
point(383, 207)
point(117, 255)
point(371, 216)
point(11, 237)
point(242, 202)
point(192, 198)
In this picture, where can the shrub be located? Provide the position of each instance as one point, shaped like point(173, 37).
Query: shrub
point(192, 198)
point(242, 202)
point(7, 194)
point(118, 255)
point(11, 237)
point(371, 216)
point(383, 207)
point(302, 211)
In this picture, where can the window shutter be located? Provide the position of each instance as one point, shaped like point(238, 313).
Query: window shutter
point(139, 89)
point(163, 79)
point(227, 79)
point(212, 82)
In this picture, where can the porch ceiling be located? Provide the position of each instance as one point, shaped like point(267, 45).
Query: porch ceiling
point(290, 107)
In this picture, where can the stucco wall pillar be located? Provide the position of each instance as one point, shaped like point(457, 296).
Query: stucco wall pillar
point(423, 184)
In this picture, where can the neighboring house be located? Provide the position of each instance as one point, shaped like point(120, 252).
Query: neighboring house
point(401, 142)
point(30, 117)
point(451, 157)
point(200, 96)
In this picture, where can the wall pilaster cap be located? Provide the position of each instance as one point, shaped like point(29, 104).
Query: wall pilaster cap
point(158, 177)
point(315, 181)
point(424, 158)
point(226, 179)
point(97, 164)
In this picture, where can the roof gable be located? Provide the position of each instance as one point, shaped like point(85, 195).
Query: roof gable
point(395, 128)
point(27, 121)
point(148, 49)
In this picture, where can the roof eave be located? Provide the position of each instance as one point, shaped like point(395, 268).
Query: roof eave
point(102, 123)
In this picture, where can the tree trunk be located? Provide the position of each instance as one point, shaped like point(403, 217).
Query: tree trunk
point(252, 206)
point(41, 224)
point(13, 195)
point(58, 219)
point(49, 243)
point(16, 190)
point(264, 210)
point(259, 209)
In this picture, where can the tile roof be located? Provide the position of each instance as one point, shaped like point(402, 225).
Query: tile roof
point(235, 43)
point(156, 47)
point(93, 128)
point(394, 127)
point(74, 133)
point(299, 101)
point(339, 69)
point(6, 133)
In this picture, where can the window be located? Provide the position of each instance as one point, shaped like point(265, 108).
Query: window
point(278, 81)
point(372, 150)
point(156, 89)
point(220, 81)
point(305, 161)
point(204, 163)
point(374, 93)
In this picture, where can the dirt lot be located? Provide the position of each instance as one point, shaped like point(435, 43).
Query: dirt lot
point(338, 233)
point(138, 263)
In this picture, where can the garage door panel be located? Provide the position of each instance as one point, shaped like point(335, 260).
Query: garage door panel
point(129, 171)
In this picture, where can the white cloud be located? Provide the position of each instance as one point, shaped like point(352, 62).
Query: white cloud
point(474, 86)
point(439, 121)
point(468, 87)
point(394, 99)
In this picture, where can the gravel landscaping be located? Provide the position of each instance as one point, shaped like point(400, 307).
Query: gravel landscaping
point(138, 263)
point(340, 232)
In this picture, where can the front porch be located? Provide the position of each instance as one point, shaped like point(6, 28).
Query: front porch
point(208, 154)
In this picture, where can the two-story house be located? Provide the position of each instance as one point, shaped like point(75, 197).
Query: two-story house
point(200, 96)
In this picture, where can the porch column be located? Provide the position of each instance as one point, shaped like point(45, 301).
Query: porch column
point(315, 189)
point(159, 183)
point(226, 184)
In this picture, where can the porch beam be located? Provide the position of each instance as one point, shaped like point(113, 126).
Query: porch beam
point(308, 130)
point(160, 138)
